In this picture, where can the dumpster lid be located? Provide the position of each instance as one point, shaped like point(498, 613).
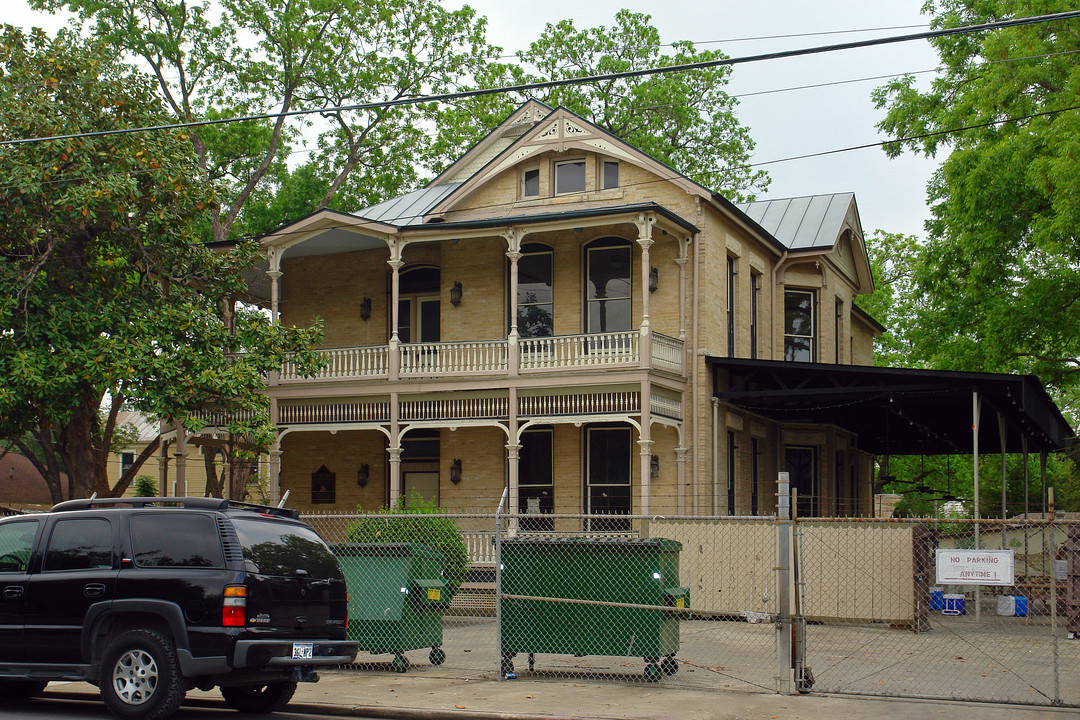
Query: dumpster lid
point(606, 543)
point(429, 583)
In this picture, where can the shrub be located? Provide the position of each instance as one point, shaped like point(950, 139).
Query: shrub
point(145, 486)
point(415, 522)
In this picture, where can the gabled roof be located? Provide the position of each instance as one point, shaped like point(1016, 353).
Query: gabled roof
point(814, 222)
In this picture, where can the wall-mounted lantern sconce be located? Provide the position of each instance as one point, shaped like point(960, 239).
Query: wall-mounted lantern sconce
point(455, 471)
point(455, 294)
point(654, 466)
point(654, 279)
point(365, 308)
point(362, 475)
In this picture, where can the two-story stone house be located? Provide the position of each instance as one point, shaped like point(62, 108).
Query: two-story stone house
point(553, 314)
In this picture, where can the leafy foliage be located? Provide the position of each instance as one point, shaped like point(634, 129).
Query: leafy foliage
point(105, 288)
point(418, 521)
point(145, 486)
point(999, 278)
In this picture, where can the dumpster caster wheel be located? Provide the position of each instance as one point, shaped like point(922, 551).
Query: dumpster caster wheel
point(532, 662)
point(401, 663)
point(653, 673)
point(437, 656)
point(669, 666)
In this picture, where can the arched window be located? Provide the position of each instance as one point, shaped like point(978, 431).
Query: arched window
point(323, 486)
point(608, 264)
point(535, 308)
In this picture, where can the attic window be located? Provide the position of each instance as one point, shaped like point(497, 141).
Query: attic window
point(531, 183)
point(611, 174)
point(570, 177)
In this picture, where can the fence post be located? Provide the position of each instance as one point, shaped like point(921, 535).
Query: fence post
point(498, 586)
point(783, 583)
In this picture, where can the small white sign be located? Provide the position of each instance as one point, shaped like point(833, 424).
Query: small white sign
point(975, 567)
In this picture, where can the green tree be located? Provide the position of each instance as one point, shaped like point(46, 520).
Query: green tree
point(247, 57)
point(683, 119)
point(999, 279)
point(106, 291)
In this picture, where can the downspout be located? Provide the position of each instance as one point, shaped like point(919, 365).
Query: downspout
point(694, 334)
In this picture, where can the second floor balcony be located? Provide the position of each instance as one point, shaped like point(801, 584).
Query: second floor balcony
point(567, 353)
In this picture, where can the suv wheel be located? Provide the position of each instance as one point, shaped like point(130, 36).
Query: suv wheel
point(140, 676)
point(20, 690)
point(259, 698)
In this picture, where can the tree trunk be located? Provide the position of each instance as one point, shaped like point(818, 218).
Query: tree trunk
point(85, 463)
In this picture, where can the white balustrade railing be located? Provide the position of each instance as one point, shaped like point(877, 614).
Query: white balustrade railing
point(603, 403)
point(334, 413)
point(453, 358)
point(342, 363)
point(456, 408)
point(480, 545)
point(571, 351)
point(666, 406)
point(667, 353)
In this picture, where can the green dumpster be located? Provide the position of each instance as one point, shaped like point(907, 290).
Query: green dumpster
point(605, 579)
point(396, 598)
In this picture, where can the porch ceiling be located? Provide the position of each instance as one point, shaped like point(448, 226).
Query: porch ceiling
point(896, 411)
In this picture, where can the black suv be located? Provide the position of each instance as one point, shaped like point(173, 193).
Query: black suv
point(150, 597)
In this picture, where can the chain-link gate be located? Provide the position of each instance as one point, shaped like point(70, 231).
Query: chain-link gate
point(754, 604)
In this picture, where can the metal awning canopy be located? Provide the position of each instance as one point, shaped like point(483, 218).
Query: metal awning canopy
point(897, 411)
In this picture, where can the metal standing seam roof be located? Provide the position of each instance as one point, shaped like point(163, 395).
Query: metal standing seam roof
point(407, 209)
point(803, 223)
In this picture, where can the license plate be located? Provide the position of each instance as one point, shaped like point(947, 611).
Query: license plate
point(302, 651)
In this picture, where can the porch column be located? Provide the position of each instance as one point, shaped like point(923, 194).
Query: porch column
point(181, 460)
point(1002, 435)
point(645, 442)
point(644, 225)
point(163, 466)
point(681, 262)
point(394, 350)
point(976, 406)
point(680, 467)
point(513, 456)
point(513, 345)
point(716, 455)
point(394, 481)
point(274, 481)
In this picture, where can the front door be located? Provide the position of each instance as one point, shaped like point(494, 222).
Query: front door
point(801, 464)
point(16, 544)
point(424, 484)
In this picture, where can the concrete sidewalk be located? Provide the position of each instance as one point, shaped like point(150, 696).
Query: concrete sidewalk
point(352, 693)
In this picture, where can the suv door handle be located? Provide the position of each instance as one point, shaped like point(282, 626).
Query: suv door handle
point(13, 592)
point(93, 590)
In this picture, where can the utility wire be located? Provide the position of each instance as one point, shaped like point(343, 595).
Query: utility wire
point(1015, 22)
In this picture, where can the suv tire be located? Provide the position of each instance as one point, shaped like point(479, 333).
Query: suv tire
point(259, 698)
point(140, 676)
point(20, 690)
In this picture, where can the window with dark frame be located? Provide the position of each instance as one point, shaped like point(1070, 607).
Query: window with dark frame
point(530, 184)
point(731, 473)
point(838, 327)
point(801, 465)
point(570, 177)
point(126, 461)
point(535, 293)
point(323, 486)
point(608, 269)
point(611, 174)
point(731, 306)
point(754, 477)
point(536, 480)
point(755, 292)
point(608, 485)
point(799, 328)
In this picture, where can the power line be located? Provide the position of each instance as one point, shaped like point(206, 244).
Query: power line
point(444, 97)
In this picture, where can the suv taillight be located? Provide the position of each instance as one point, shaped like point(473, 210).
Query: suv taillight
point(234, 608)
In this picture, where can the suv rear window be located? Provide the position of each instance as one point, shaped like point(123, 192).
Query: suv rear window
point(170, 539)
point(272, 547)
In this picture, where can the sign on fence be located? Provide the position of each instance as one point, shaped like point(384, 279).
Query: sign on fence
point(975, 567)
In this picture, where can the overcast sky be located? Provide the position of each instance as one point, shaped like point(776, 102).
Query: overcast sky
point(890, 193)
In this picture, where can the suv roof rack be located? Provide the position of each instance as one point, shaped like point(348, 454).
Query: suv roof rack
point(200, 503)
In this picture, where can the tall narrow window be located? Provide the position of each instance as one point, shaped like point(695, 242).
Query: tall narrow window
point(611, 174)
point(755, 293)
point(536, 480)
point(535, 309)
point(838, 476)
point(607, 466)
point(530, 183)
point(126, 461)
point(323, 486)
point(731, 473)
point(570, 177)
point(799, 330)
point(754, 478)
point(608, 270)
point(838, 328)
point(801, 463)
point(731, 306)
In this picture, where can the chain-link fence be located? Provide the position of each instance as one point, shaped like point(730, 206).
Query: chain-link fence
point(716, 602)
